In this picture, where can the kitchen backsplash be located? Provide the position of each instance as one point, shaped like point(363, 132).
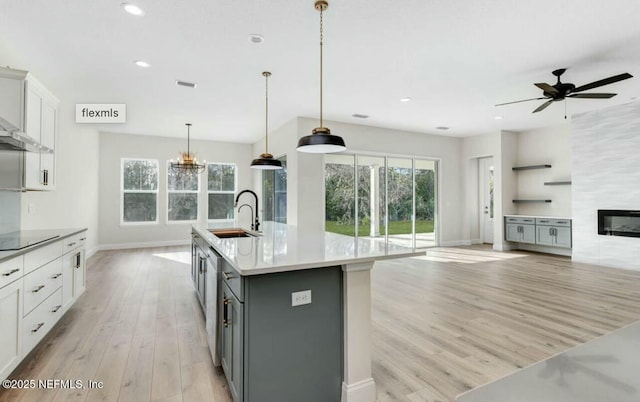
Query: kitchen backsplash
point(9, 211)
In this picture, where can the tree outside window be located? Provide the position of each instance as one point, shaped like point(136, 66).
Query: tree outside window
point(139, 191)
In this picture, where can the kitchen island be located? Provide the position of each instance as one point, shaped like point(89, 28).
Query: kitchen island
point(293, 311)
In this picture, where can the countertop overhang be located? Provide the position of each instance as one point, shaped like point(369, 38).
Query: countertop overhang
point(283, 248)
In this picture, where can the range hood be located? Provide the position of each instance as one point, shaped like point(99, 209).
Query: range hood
point(13, 140)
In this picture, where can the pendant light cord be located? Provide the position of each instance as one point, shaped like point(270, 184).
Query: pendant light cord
point(266, 114)
point(188, 140)
point(321, 40)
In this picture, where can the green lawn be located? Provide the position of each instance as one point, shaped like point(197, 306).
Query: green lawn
point(399, 227)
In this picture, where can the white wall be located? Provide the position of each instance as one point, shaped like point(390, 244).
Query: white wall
point(305, 179)
point(605, 167)
point(74, 202)
point(114, 147)
point(551, 146)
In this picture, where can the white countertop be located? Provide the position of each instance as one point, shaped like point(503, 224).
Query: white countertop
point(58, 233)
point(283, 248)
point(606, 369)
point(538, 216)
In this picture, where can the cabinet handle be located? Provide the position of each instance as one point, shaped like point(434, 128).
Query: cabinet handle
point(46, 177)
point(55, 310)
point(13, 271)
point(225, 313)
point(83, 238)
point(37, 289)
point(71, 244)
point(227, 275)
point(37, 328)
point(56, 276)
point(550, 231)
point(77, 262)
point(226, 323)
point(544, 221)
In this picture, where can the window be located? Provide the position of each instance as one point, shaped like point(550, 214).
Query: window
point(274, 193)
point(139, 191)
point(182, 195)
point(221, 187)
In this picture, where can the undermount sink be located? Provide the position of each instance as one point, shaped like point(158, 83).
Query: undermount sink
point(231, 233)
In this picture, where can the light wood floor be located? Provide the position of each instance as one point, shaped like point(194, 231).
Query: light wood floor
point(461, 317)
point(443, 323)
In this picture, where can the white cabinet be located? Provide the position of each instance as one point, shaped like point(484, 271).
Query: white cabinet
point(32, 109)
point(36, 289)
point(10, 327)
point(74, 268)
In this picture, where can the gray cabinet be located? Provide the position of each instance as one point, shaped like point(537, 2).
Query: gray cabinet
point(520, 229)
point(541, 231)
point(232, 336)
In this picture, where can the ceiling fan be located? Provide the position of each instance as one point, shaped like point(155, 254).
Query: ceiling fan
point(561, 90)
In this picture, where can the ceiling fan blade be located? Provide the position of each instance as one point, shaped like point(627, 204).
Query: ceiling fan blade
point(525, 100)
point(546, 87)
point(592, 96)
point(543, 106)
point(602, 82)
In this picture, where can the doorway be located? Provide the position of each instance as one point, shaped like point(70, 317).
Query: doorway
point(486, 198)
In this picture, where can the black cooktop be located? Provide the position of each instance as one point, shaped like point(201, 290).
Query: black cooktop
point(20, 240)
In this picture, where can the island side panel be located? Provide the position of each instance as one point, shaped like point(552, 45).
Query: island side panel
point(358, 385)
point(294, 353)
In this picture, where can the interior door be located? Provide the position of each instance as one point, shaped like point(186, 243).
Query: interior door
point(486, 176)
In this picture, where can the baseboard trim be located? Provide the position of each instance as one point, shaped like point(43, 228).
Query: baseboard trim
point(454, 243)
point(146, 244)
point(90, 252)
point(361, 391)
point(476, 241)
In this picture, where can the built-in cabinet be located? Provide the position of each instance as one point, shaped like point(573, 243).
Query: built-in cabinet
point(36, 289)
point(32, 109)
point(554, 232)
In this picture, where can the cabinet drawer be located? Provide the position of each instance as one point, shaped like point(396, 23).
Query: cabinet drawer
point(233, 279)
point(553, 222)
point(11, 270)
point(71, 243)
point(525, 220)
point(37, 323)
point(41, 256)
point(39, 284)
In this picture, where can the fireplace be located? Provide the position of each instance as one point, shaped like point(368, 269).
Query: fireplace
point(617, 222)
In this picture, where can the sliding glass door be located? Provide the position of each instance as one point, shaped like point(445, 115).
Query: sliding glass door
point(384, 198)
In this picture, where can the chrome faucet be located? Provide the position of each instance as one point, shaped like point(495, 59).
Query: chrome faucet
point(256, 225)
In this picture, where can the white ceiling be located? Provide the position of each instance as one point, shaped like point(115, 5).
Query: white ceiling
point(456, 59)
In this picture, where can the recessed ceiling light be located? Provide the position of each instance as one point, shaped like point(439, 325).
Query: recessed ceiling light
point(132, 9)
point(442, 128)
point(406, 99)
point(360, 116)
point(498, 117)
point(256, 38)
point(186, 84)
point(142, 63)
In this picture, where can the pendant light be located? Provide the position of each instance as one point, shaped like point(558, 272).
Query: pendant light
point(321, 141)
point(266, 161)
point(187, 161)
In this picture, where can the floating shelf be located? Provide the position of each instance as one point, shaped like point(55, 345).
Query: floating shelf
point(520, 201)
point(557, 183)
point(531, 167)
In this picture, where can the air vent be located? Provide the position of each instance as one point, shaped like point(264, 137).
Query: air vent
point(186, 84)
point(360, 116)
point(442, 128)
